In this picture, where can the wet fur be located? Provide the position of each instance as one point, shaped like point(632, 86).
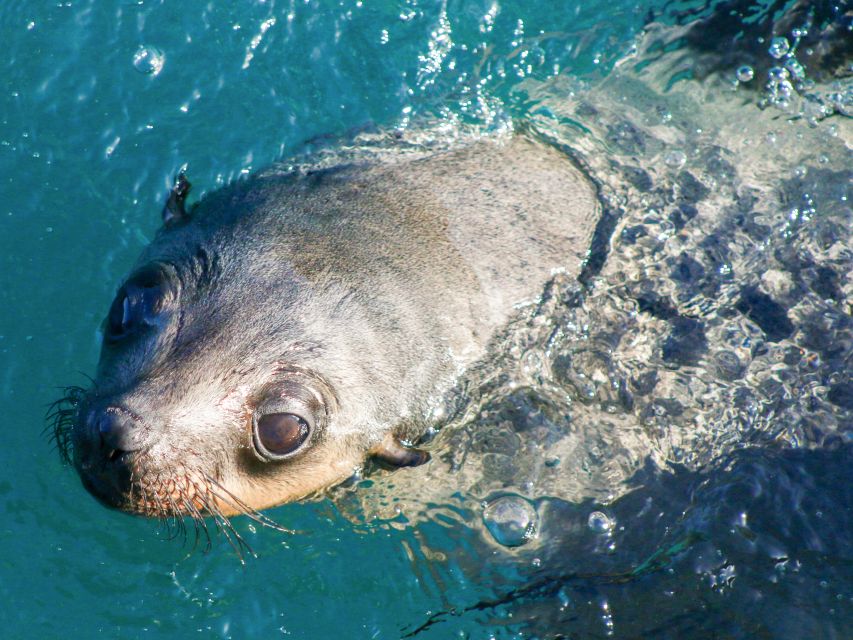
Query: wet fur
point(373, 283)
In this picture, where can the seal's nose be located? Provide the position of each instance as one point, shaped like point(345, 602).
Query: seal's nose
point(102, 452)
point(116, 431)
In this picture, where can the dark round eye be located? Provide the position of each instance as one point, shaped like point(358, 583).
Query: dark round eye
point(280, 434)
point(137, 304)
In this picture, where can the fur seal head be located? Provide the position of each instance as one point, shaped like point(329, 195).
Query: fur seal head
point(208, 397)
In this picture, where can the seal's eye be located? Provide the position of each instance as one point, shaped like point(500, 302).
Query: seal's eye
point(277, 435)
point(137, 304)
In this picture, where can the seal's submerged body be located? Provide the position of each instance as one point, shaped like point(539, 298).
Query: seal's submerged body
point(296, 323)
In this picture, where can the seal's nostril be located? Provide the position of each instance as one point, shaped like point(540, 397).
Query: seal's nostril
point(117, 432)
point(106, 424)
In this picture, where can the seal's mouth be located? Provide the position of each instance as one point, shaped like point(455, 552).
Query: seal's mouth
point(123, 480)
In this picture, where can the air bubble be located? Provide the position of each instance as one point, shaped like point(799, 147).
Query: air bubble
point(675, 159)
point(842, 102)
point(149, 60)
point(779, 47)
point(511, 520)
point(778, 73)
point(814, 110)
point(795, 69)
point(745, 73)
point(779, 88)
point(728, 364)
point(600, 522)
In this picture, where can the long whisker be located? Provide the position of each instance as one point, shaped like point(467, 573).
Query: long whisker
point(199, 523)
point(60, 416)
point(203, 523)
point(223, 525)
point(230, 533)
point(239, 505)
point(164, 516)
point(190, 508)
point(177, 519)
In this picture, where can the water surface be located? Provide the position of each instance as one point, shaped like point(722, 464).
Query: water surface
point(685, 444)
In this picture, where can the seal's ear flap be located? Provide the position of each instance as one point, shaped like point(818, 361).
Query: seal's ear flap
point(174, 211)
point(393, 454)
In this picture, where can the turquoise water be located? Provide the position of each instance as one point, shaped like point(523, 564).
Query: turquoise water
point(101, 104)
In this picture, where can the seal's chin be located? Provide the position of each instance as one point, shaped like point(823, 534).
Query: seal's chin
point(110, 489)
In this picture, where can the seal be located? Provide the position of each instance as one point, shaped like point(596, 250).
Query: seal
point(294, 324)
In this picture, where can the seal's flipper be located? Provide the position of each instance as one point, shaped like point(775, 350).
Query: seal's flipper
point(393, 454)
point(174, 210)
